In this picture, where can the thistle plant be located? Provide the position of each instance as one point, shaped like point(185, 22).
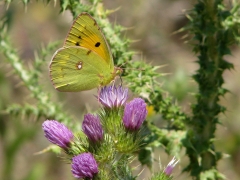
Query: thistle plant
point(212, 39)
point(109, 140)
point(121, 131)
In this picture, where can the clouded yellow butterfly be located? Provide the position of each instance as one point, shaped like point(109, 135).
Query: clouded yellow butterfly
point(85, 61)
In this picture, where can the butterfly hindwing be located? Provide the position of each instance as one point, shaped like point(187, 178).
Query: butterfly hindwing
point(78, 69)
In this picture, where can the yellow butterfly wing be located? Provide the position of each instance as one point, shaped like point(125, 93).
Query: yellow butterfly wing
point(77, 69)
point(85, 61)
point(86, 33)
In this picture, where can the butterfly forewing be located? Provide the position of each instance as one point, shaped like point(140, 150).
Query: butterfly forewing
point(86, 33)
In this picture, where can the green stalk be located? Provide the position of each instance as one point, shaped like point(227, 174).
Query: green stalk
point(211, 43)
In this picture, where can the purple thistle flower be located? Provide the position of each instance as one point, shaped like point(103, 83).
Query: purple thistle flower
point(84, 166)
point(92, 127)
point(168, 170)
point(135, 113)
point(113, 96)
point(57, 133)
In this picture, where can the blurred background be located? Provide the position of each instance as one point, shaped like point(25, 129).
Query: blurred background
point(151, 26)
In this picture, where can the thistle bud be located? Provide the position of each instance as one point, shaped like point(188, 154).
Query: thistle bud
point(57, 133)
point(92, 128)
point(84, 166)
point(135, 113)
point(168, 170)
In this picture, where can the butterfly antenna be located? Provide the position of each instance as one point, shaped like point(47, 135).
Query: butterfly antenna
point(139, 69)
point(122, 65)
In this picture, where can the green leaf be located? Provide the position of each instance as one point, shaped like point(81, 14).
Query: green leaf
point(145, 156)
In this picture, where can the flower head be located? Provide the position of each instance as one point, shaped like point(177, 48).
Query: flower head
point(113, 96)
point(92, 127)
point(168, 170)
point(135, 113)
point(84, 166)
point(57, 133)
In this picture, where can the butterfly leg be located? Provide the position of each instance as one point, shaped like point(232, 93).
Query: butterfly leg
point(99, 91)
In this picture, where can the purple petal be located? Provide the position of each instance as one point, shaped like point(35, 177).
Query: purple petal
point(113, 96)
point(168, 170)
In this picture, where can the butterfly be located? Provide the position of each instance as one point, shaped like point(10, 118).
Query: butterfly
point(85, 61)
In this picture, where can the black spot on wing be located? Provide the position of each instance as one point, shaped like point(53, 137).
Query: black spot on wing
point(97, 44)
point(77, 44)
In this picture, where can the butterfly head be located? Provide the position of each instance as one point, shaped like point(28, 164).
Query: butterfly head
point(117, 71)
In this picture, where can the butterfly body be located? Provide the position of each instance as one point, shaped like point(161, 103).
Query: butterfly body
point(85, 61)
